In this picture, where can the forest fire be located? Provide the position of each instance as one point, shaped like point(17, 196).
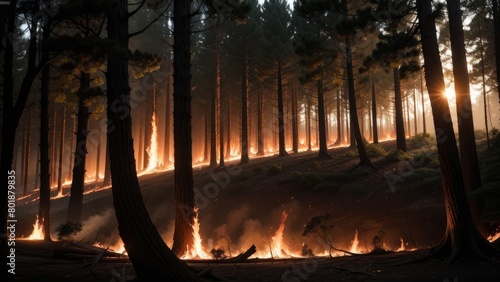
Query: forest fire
point(354, 244)
point(117, 247)
point(277, 239)
point(402, 247)
point(37, 233)
point(153, 149)
point(494, 237)
point(196, 251)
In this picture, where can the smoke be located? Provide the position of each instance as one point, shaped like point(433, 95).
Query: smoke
point(101, 228)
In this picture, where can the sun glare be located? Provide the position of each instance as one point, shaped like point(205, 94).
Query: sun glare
point(450, 93)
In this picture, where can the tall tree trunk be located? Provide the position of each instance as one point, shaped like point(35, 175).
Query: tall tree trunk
point(468, 152)
point(98, 157)
point(483, 80)
point(295, 126)
point(415, 119)
point(168, 115)
point(339, 119)
point(215, 106)
point(281, 114)
point(148, 130)
point(363, 156)
point(374, 111)
point(398, 104)
point(424, 127)
point(323, 149)
point(27, 155)
point(73, 145)
point(206, 150)
point(260, 120)
point(78, 182)
point(146, 249)
point(229, 122)
point(496, 32)
point(107, 169)
point(61, 149)
point(244, 113)
point(461, 238)
point(308, 124)
point(44, 211)
point(52, 146)
point(183, 172)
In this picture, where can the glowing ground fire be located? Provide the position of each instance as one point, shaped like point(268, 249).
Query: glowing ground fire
point(37, 233)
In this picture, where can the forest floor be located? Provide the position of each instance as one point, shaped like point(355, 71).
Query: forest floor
point(401, 198)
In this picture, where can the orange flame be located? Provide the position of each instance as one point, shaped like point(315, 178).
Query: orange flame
point(402, 247)
point(153, 150)
point(277, 239)
point(355, 244)
point(196, 251)
point(495, 237)
point(37, 233)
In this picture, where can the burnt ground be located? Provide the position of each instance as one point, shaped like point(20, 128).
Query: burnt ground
point(403, 198)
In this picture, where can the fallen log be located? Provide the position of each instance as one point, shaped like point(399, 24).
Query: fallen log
point(243, 256)
point(74, 251)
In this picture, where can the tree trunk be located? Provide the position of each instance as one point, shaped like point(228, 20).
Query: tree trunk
point(415, 119)
point(78, 182)
point(260, 121)
point(483, 80)
point(281, 115)
point(295, 126)
point(308, 124)
point(213, 128)
point(52, 147)
point(44, 211)
point(146, 249)
point(27, 155)
point(107, 169)
point(496, 32)
point(424, 128)
point(168, 114)
point(323, 149)
point(374, 111)
point(339, 119)
point(148, 130)
point(363, 156)
point(461, 238)
point(61, 149)
point(468, 152)
point(183, 173)
point(98, 157)
point(229, 118)
point(398, 104)
point(244, 113)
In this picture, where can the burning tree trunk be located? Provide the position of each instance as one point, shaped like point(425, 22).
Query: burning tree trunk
point(183, 173)
point(461, 238)
point(52, 146)
point(61, 149)
point(260, 120)
point(323, 150)
point(168, 115)
point(78, 182)
point(281, 114)
point(468, 152)
point(398, 104)
point(308, 123)
point(44, 211)
point(374, 111)
point(244, 112)
point(295, 126)
point(107, 170)
point(147, 251)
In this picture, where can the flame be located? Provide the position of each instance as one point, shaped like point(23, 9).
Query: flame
point(495, 237)
point(402, 247)
point(118, 247)
point(196, 251)
point(355, 244)
point(153, 150)
point(277, 239)
point(37, 233)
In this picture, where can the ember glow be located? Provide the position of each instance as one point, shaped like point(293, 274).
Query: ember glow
point(402, 247)
point(495, 237)
point(37, 233)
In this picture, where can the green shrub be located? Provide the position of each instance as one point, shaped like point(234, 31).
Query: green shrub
point(397, 155)
point(351, 154)
point(422, 140)
point(274, 169)
point(375, 150)
point(68, 230)
point(307, 179)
